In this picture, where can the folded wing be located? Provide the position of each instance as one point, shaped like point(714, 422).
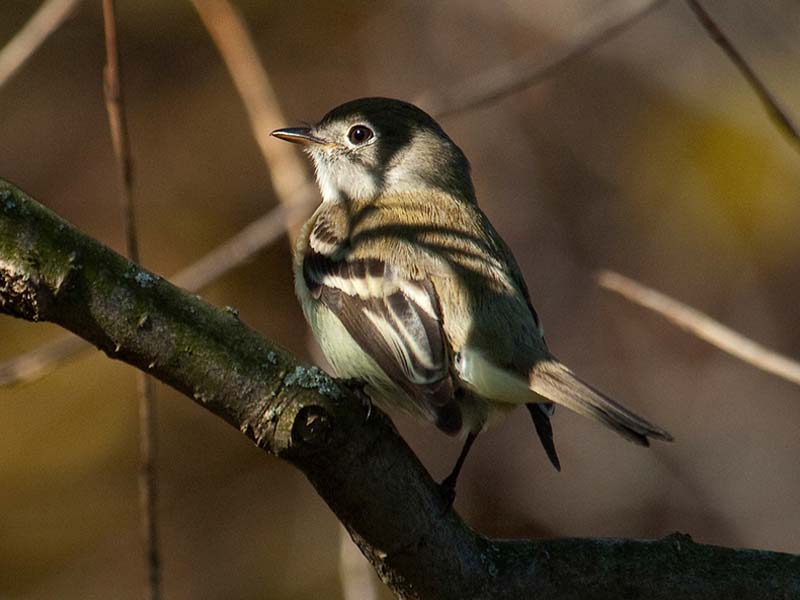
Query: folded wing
point(396, 321)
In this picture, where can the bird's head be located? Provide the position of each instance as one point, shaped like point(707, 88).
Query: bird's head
point(373, 146)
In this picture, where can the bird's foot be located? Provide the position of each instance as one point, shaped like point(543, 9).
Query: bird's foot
point(358, 387)
point(448, 485)
point(447, 491)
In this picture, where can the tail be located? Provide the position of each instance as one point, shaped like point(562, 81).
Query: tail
point(554, 381)
point(541, 413)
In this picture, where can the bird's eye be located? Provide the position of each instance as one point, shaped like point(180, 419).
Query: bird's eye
point(359, 134)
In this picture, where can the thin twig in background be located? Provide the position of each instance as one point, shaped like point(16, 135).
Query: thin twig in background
point(118, 124)
point(245, 244)
point(775, 111)
point(703, 326)
point(47, 18)
point(234, 42)
point(40, 361)
point(495, 84)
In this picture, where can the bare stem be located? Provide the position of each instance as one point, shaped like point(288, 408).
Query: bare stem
point(702, 326)
point(148, 487)
point(510, 78)
point(229, 32)
point(774, 109)
point(47, 19)
point(37, 363)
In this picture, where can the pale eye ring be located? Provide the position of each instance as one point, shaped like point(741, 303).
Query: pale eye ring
point(359, 134)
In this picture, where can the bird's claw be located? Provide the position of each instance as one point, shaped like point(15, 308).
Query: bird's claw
point(358, 387)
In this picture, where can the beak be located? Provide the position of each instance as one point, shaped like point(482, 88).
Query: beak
point(297, 135)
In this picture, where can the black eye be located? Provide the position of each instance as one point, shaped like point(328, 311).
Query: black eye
point(359, 134)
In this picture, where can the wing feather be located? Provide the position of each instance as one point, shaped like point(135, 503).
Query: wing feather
point(395, 320)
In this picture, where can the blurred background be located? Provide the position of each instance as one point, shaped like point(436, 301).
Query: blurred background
point(649, 156)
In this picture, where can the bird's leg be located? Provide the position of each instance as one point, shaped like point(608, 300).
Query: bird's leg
point(357, 386)
point(448, 485)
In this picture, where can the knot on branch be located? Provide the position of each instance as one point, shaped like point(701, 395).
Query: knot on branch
point(36, 264)
point(680, 541)
point(313, 426)
point(22, 295)
point(299, 417)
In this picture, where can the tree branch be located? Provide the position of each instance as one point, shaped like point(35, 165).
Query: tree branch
point(208, 268)
point(360, 466)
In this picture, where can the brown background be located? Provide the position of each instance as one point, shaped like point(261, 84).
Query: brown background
point(649, 156)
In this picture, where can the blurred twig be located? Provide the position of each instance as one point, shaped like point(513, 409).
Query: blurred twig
point(514, 76)
point(40, 361)
point(47, 18)
point(148, 489)
point(118, 123)
point(776, 112)
point(234, 42)
point(245, 244)
point(702, 326)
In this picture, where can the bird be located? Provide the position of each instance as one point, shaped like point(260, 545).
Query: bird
point(410, 290)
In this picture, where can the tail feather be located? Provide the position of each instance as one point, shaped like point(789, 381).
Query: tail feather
point(558, 384)
point(540, 413)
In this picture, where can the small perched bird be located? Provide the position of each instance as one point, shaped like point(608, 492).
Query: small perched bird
point(409, 289)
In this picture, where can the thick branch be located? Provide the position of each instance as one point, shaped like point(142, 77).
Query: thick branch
point(209, 267)
point(360, 466)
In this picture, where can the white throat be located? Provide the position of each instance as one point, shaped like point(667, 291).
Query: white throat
point(340, 178)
